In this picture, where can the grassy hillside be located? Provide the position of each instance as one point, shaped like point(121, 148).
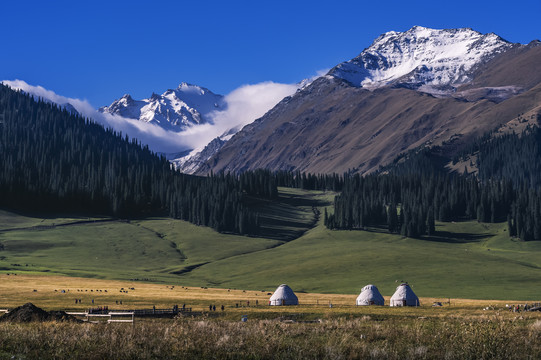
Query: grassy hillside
point(119, 250)
point(156, 249)
point(464, 260)
point(472, 261)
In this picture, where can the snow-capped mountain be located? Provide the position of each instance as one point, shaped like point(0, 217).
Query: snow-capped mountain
point(422, 87)
point(191, 162)
point(430, 60)
point(176, 109)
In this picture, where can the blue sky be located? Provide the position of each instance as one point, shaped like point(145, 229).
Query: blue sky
point(100, 50)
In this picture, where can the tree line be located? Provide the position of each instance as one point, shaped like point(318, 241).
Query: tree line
point(55, 161)
point(415, 192)
point(410, 204)
point(52, 160)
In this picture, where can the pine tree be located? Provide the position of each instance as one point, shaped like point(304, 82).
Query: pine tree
point(392, 218)
point(430, 223)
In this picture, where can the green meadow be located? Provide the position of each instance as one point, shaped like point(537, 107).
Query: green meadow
point(464, 260)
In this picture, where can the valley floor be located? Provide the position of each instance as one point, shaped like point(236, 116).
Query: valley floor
point(464, 260)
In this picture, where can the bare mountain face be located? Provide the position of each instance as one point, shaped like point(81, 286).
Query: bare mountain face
point(176, 109)
point(422, 87)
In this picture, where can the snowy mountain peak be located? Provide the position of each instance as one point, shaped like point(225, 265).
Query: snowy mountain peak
point(126, 100)
point(176, 109)
point(421, 58)
point(184, 86)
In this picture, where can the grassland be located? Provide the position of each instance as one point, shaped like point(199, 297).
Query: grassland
point(464, 260)
point(486, 266)
point(464, 330)
point(155, 249)
point(59, 293)
point(491, 337)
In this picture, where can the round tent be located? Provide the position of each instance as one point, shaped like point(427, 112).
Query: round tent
point(404, 296)
point(370, 295)
point(284, 296)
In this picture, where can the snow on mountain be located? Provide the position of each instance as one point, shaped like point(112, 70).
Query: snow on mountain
point(177, 109)
point(218, 116)
point(190, 164)
point(430, 60)
point(244, 105)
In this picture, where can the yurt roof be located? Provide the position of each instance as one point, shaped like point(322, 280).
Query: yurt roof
point(283, 291)
point(404, 292)
point(370, 293)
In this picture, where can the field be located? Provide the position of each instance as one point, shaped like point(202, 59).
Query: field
point(464, 260)
point(460, 329)
point(369, 337)
point(465, 329)
point(60, 292)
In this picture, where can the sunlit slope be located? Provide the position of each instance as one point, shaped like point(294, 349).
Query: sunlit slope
point(464, 260)
point(156, 249)
point(480, 263)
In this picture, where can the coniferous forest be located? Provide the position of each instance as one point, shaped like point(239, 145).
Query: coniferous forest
point(54, 161)
point(411, 195)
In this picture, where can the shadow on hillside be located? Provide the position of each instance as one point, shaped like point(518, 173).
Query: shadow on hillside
point(457, 237)
point(302, 200)
point(288, 217)
point(439, 236)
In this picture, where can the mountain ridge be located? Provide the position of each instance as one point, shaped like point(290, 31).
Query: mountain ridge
point(334, 126)
point(431, 59)
point(175, 109)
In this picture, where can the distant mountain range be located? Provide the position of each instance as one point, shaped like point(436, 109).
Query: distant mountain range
point(418, 88)
point(422, 87)
point(176, 109)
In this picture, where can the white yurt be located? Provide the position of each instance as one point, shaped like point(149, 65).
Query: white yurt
point(370, 295)
point(284, 296)
point(404, 296)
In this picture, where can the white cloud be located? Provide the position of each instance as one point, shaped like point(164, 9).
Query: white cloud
point(244, 105)
point(155, 137)
point(321, 73)
point(247, 103)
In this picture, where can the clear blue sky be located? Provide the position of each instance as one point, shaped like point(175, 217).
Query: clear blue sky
point(99, 50)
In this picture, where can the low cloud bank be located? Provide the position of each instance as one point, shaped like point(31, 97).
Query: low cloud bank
point(158, 139)
point(244, 105)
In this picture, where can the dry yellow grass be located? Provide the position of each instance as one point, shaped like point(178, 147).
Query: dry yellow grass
point(47, 292)
point(462, 330)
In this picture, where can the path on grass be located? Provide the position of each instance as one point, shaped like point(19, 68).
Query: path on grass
point(314, 204)
point(291, 218)
point(162, 236)
point(54, 226)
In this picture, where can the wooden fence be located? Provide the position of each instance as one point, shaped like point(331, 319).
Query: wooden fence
point(112, 316)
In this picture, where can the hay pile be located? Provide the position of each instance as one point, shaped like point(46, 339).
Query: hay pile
point(29, 312)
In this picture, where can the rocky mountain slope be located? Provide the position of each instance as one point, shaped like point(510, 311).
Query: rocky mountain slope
point(176, 109)
point(429, 59)
point(190, 163)
point(420, 87)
